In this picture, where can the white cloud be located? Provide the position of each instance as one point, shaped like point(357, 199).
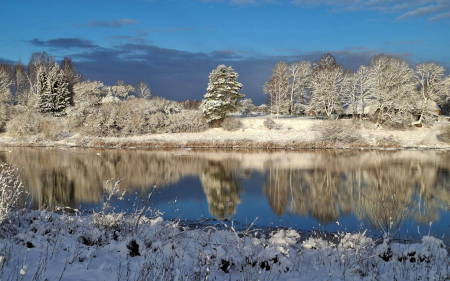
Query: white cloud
point(407, 9)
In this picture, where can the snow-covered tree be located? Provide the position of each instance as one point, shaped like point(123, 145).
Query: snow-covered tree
point(362, 87)
point(300, 74)
point(391, 88)
point(38, 61)
point(53, 95)
point(5, 94)
point(277, 89)
point(222, 94)
point(142, 90)
point(430, 86)
point(21, 84)
point(69, 71)
point(120, 91)
point(329, 85)
point(246, 106)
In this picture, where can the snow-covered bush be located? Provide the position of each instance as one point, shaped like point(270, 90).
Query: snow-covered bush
point(10, 189)
point(189, 121)
point(26, 123)
point(246, 106)
point(52, 128)
point(231, 124)
point(263, 108)
point(339, 131)
point(270, 124)
point(87, 98)
point(445, 133)
point(139, 116)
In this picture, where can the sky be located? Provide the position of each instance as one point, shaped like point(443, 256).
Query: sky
point(174, 45)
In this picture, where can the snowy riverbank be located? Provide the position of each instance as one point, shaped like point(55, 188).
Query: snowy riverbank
point(291, 133)
point(41, 245)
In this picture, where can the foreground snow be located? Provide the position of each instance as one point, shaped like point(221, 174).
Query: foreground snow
point(41, 245)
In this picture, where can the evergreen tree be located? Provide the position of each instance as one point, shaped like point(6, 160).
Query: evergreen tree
point(222, 94)
point(53, 91)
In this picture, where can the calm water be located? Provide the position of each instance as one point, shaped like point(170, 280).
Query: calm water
point(329, 191)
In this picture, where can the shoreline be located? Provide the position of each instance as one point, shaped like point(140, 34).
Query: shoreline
point(237, 145)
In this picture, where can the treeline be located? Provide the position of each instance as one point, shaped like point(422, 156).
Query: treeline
point(388, 90)
point(52, 99)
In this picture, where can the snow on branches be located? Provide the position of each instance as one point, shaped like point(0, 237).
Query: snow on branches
point(222, 93)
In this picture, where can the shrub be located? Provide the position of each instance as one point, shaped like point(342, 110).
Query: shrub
point(187, 121)
point(141, 116)
point(25, 124)
point(445, 133)
point(388, 141)
point(270, 124)
point(52, 128)
point(231, 124)
point(10, 189)
point(339, 131)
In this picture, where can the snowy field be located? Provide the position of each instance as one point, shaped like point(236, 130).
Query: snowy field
point(40, 245)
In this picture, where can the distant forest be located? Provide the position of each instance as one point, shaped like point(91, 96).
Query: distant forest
point(52, 100)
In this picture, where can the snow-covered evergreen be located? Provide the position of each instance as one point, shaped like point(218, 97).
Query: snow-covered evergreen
point(53, 91)
point(222, 93)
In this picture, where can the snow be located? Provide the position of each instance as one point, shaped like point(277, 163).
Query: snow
point(41, 245)
point(289, 130)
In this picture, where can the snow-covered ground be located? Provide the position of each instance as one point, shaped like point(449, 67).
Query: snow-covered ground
point(291, 130)
point(40, 245)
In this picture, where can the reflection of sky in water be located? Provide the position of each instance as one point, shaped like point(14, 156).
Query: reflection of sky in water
point(200, 186)
point(191, 204)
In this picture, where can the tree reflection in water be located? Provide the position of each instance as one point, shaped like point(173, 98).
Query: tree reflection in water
point(321, 185)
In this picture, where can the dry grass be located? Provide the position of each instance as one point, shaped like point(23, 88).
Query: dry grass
point(445, 133)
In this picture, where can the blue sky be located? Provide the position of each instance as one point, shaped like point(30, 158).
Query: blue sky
point(174, 45)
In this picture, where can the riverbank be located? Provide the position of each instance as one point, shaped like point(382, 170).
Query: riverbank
point(290, 133)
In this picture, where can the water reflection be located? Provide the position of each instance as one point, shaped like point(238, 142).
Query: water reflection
point(320, 185)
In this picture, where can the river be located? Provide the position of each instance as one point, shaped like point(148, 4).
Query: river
point(306, 190)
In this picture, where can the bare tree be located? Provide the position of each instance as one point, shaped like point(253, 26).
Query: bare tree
point(277, 89)
point(39, 60)
point(362, 86)
point(142, 90)
point(430, 82)
point(69, 71)
point(329, 85)
point(391, 87)
point(300, 73)
point(21, 84)
point(5, 94)
point(358, 91)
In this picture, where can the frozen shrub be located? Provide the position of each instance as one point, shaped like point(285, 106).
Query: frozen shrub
point(158, 104)
point(190, 104)
point(231, 124)
point(445, 133)
point(263, 108)
point(140, 116)
point(270, 124)
point(51, 128)
point(10, 189)
point(246, 106)
point(387, 141)
point(25, 124)
point(187, 121)
point(339, 131)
